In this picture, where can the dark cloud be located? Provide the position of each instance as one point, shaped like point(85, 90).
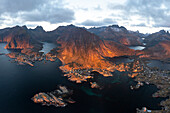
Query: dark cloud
point(13, 6)
point(105, 21)
point(155, 12)
point(52, 15)
point(52, 11)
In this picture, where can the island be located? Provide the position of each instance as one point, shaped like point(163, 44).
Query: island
point(58, 98)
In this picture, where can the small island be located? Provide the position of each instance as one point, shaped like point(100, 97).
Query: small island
point(58, 98)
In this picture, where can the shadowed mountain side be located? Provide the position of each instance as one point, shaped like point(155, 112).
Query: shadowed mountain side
point(40, 34)
point(156, 38)
point(159, 51)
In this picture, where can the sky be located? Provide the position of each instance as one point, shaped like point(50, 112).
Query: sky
point(147, 16)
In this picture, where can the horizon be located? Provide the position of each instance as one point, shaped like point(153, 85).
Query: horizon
point(140, 15)
point(81, 27)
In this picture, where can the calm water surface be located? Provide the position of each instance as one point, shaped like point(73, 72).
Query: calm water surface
point(159, 64)
point(137, 47)
point(2, 50)
point(47, 47)
point(18, 84)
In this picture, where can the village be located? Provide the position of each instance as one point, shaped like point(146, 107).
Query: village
point(29, 57)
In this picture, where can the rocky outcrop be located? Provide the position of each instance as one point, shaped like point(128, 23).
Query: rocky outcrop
point(118, 34)
point(58, 98)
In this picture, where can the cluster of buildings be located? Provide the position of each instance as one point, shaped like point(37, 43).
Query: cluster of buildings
point(26, 59)
point(78, 75)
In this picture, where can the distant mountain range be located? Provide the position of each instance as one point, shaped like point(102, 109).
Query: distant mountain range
point(156, 38)
point(118, 34)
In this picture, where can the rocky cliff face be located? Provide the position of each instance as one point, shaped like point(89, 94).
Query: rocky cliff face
point(118, 34)
point(80, 48)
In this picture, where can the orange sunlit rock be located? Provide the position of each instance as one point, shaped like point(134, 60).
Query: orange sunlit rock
point(83, 50)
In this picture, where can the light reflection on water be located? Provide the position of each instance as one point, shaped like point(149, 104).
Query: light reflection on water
point(2, 49)
point(137, 47)
point(47, 47)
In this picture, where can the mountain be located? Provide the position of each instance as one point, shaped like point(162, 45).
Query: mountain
point(18, 38)
point(40, 34)
point(21, 37)
point(118, 34)
point(160, 51)
point(80, 48)
point(157, 37)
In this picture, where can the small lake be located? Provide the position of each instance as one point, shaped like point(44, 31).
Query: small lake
point(137, 47)
point(47, 47)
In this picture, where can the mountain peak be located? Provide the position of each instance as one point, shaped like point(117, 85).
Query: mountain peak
point(24, 26)
point(115, 26)
point(71, 25)
point(39, 28)
point(68, 28)
point(162, 31)
point(17, 28)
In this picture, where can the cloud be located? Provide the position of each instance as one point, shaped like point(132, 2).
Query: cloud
point(52, 15)
point(52, 11)
point(154, 12)
point(13, 6)
point(139, 25)
point(98, 8)
point(106, 21)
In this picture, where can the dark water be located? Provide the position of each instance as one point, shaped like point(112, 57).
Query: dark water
point(159, 64)
point(19, 83)
point(123, 59)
